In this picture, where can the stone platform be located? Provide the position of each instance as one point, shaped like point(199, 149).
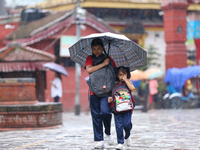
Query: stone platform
point(19, 107)
point(30, 116)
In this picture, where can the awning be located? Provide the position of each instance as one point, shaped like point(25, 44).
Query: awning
point(21, 66)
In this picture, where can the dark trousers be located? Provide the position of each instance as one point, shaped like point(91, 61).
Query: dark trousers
point(56, 99)
point(100, 111)
point(123, 122)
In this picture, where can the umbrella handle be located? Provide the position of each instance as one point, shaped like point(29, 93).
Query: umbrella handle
point(107, 54)
point(109, 41)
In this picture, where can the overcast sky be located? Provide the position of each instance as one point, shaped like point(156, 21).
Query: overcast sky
point(22, 2)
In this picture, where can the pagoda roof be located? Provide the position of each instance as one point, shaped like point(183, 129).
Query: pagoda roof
point(20, 58)
point(52, 24)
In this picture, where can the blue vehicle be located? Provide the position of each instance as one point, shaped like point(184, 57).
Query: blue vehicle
point(175, 79)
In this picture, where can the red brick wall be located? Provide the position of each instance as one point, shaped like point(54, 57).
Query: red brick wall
point(69, 90)
point(43, 44)
point(30, 119)
point(71, 31)
point(17, 93)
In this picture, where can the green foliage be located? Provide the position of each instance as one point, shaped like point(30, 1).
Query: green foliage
point(142, 85)
point(161, 86)
point(151, 57)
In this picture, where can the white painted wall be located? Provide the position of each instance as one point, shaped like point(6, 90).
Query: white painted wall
point(159, 43)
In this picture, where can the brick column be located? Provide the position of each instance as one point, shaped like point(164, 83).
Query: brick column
point(175, 28)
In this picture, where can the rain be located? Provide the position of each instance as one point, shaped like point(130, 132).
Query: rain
point(50, 69)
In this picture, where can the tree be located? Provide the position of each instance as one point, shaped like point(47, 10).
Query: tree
point(152, 57)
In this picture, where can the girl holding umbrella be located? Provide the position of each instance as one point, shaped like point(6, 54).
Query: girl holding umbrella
point(99, 106)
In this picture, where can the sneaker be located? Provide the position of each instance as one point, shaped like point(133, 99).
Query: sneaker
point(119, 147)
point(99, 145)
point(128, 141)
point(109, 139)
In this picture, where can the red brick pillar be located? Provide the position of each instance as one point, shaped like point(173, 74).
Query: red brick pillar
point(175, 28)
point(197, 43)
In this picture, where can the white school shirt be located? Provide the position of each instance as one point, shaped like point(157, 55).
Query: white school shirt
point(58, 90)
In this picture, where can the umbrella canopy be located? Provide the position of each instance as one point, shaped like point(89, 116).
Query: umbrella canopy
point(122, 50)
point(56, 67)
point(153, 73)
point(138, 75)
point(157, 74)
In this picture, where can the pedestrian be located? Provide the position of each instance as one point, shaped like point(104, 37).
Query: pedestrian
point(146, 96)
point(56, 87)
point(153, 91)
point(123, 119)
point(99, 106)
point(171, 89)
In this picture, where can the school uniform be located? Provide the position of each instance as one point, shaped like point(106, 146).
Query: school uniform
point(100, 110)
point(122, 123)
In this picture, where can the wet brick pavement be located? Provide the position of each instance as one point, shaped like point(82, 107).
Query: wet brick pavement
point(157, 129)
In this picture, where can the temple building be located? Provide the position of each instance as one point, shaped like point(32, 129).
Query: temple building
point(141, 21)
point(46, 35)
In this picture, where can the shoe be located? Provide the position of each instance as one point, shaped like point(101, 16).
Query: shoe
point(109, 139)
point(128, 141)
point(99, 145)
point(119, 147)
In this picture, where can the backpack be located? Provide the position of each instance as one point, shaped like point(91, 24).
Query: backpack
point(122, 98)
point(104, 76)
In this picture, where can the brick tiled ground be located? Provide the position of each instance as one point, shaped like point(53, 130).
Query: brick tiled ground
point(157, 129)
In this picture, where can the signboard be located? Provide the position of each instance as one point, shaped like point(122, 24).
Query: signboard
point(65, 43)
point(193, 30)
point(193, 37)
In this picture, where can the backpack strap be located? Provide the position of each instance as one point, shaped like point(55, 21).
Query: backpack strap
point(98, 60)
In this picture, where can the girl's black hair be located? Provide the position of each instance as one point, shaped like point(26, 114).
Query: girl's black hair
point(58, 75)
point(97, 41)
point(125, 70)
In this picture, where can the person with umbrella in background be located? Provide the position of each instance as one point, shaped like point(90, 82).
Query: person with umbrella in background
point(56, 84)
point(56, 87)
point(123, 51)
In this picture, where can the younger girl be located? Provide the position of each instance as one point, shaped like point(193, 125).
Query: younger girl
point(123, 119)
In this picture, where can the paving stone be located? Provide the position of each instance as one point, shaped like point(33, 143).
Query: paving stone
point(155, 130)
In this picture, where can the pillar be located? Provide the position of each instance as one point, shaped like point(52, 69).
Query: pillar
point(175, 28)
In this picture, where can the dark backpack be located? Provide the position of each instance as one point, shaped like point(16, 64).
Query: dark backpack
point(122, 98)
point(104, 76)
